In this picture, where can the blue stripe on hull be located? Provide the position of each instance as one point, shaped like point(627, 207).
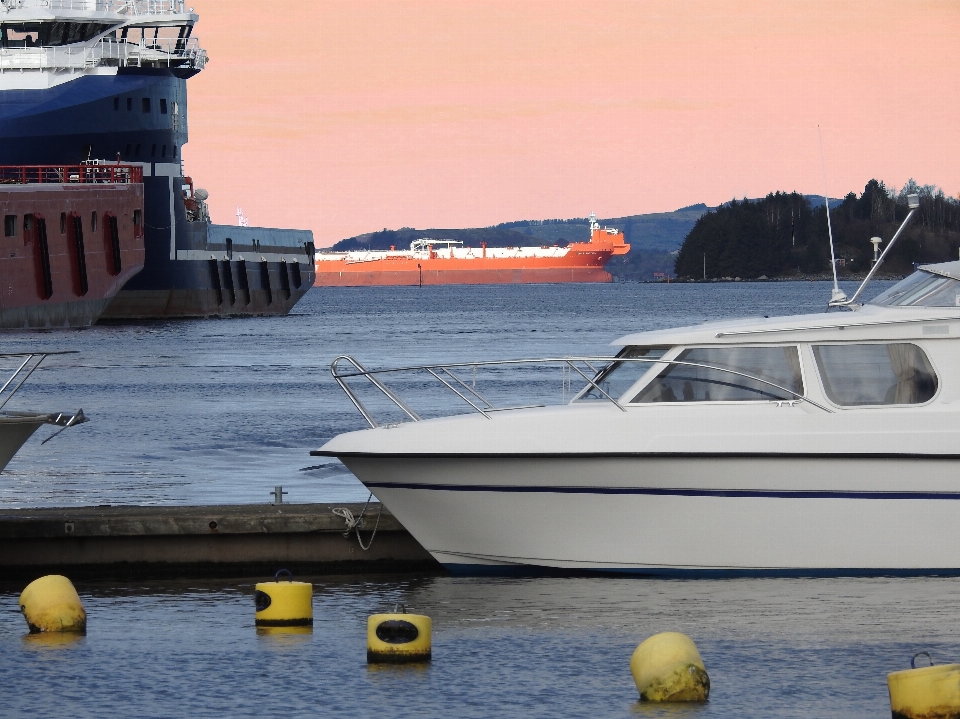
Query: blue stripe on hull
point(668, 492)
point(529, 570)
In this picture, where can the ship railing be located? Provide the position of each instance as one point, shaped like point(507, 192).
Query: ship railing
point(574, 371)
point(128, 7)
point(114, 174)
point(109, 52)
point(23, 370)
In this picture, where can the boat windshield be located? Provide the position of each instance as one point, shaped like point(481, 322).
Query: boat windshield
point(921, 289)
point(684, 383)
point(617, 377)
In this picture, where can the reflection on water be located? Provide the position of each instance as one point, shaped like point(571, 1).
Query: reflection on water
point(52, 640)
point(555, 647)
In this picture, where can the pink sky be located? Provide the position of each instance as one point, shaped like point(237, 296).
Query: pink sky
point(348, 116)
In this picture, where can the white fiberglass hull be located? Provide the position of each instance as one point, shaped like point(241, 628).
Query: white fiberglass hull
point(14, 432)
point(680, 514)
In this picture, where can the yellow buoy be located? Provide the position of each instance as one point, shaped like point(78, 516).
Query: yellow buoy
point(926, 692)
point(399, 637)
point(667, 668)
point(51, 604)
point(284, 603)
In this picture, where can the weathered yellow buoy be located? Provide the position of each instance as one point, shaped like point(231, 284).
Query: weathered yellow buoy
point(926, 692)
point(667, 668)
point(284, 603)
point(51, 604)
point(399, 637)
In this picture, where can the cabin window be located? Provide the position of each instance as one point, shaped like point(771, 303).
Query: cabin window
point(618, 377)
point(145, 102)
point(854, 375)
point(63, 222)
point(127, 153)
point(10, 226)
point(50, 34)
point(163, 106)
point(27, 223)
point(116, 103)
point(136, 151)
point(93, 222)
point(129, 104)
point(922, 289)
point(716, 374)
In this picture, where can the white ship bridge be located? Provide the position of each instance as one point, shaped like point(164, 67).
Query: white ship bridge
point(46, 42)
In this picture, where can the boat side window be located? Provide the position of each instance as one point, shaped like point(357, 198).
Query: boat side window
point(875, 374)
point(21, 34)
point(921, 289)
point(705, 378)
point(10, 226)
point(617, 377)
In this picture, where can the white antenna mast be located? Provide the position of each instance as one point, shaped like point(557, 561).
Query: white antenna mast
point(837, 295)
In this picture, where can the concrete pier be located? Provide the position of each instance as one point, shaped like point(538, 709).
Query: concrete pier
point(221, 541)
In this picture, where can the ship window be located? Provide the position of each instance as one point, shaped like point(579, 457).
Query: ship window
point(27, 223)
point(129, 103)
point(53, 34)
point(21, 34)
point(136, 151)
point(127, 153)
point(93, 222)
point(10, 225)
point(617, 377)
point(708, 382)
point(153, 150)
point(163, 106)
point(63, 222)
point(145, 102)
point(116, 103)
point(875, 374)
point(174, 150)
point(137, 218)
point(163, 152)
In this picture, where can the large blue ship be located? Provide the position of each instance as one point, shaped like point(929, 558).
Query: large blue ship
point(103, 82)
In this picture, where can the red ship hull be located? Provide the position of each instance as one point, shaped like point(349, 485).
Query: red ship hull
point(579, 262)
point(67, 249)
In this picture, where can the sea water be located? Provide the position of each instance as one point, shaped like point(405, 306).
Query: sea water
point(222, 411)
point(545, 647)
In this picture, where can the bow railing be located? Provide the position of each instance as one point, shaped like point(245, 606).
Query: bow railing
point(589, 369)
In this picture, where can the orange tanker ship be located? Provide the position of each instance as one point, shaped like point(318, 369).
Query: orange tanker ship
point(448, 262)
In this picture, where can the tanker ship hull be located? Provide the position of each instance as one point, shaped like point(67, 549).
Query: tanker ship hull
point(441, 276)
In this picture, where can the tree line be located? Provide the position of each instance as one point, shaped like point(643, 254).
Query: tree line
point(783, 234)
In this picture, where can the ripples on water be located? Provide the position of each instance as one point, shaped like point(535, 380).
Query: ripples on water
point(502, 648)
point(221, 411)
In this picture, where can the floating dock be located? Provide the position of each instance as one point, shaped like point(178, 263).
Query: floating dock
point(216, 541)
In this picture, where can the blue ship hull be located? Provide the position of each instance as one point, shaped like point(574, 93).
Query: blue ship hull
point(140, 116)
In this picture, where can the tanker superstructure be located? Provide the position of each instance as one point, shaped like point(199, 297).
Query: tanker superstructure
point(445, 262)
point(104, 82)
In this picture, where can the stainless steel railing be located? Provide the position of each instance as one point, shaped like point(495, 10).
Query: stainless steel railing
point(447, 378)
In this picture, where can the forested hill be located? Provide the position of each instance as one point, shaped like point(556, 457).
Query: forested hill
point(783, 235)
point(654, 238)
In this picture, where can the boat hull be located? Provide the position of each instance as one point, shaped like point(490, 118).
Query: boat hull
point(13, 434)
point(677, 516)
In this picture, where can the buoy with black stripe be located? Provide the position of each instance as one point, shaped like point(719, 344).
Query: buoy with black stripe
point(284, 602)
point(399, 638)
point(931, 692)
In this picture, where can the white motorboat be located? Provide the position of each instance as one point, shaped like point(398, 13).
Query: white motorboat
point(803, 445)
point(16, 427)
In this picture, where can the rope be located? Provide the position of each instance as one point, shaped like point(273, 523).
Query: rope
point(355, 523)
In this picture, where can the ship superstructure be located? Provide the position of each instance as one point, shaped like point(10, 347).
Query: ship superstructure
point(104, 82)
point(445, 261)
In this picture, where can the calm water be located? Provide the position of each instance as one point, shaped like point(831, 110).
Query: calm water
point(502, 648)
point(221, 411)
